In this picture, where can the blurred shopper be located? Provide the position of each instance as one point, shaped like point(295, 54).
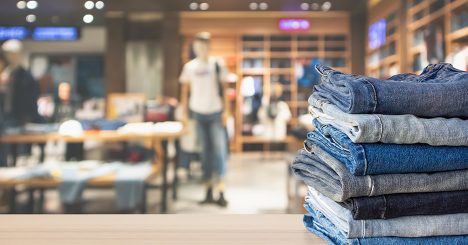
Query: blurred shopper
point(203, 79)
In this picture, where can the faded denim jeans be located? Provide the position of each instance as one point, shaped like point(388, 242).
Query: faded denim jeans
point(323, 172)
point(318, 224)
point(421, 226)
point(393, 129)
point(440, 91)
point(367, 159)
point(213, 140)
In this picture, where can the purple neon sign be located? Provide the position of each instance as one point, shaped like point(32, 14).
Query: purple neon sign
point(294, 25)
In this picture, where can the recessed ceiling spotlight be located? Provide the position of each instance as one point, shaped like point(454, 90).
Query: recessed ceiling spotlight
point(89, 18)
point(21, 4)
point(193, 6)
point(32, 4)
point(315, 6)
point(326, 6)
point(204, 6)
point(89, 5)
point(253, 6)
point(263, 6)
point(31, 18)
point(304, 6)
point(99, 5)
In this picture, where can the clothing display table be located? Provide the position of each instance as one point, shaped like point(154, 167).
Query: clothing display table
point(155, 229)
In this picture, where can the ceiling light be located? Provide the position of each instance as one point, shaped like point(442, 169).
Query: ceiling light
point(99, 5)
point(263, 6)
point(193, 6)
point(315, 6)
point(32, 5)
point(204, 6)
point(304, 6)
point(253, 6)
point(326, 6)
point(21, 4)
point(31, 18)
point(89, 5)
point(89, 18)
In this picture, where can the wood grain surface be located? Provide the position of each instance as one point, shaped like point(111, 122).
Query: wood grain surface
point(154, 229)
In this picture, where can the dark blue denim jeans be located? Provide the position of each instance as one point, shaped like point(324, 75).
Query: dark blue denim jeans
point(369, 159)
point(213, 140)
point(440, 91)
point(399, 205)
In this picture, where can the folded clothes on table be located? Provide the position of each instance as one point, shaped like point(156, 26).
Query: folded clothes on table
point(318, 224)
point(394, 129)
point(407, 204)
point(325, 173)
point(421, 226)
point(367, 159)
point(130, 185)
point(440, 91)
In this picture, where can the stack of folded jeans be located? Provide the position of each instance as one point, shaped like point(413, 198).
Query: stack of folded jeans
point(388, 160)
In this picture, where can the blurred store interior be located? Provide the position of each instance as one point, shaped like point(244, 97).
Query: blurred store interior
point(108, 131)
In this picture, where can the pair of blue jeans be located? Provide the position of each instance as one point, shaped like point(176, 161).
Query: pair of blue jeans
point(440, 91)
point(369, 159)
point(213, 140)
point(318, 224)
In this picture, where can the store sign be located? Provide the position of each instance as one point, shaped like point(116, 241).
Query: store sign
point(13, 32)
point(294, 25)
point(377, 34)
point(55, 34)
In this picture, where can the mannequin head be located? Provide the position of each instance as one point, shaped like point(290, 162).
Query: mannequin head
point(64, 91)
point(13, 50)
point(201, 45)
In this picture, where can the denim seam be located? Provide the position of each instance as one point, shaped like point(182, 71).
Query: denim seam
point(384, 213)
point(381, 127)
point(371, 187)
point(374, 97)
point(363, 224)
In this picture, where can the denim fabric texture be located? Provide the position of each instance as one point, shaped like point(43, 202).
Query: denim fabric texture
point(369, 159)
point(393, 129)
point(421, 226)
point(317, 223)
point(399, 205)
point(326, 174)
point(130, 185)
point(440, 91)
point(214, 148)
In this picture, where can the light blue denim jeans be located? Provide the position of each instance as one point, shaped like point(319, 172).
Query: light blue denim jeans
point(212, 137)
point(421, 225)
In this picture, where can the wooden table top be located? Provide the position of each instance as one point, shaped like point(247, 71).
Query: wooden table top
point(155, 229)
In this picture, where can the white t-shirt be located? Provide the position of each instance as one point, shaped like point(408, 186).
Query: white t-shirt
point(204, 87)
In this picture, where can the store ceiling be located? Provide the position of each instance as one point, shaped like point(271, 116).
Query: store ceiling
point(71, 12)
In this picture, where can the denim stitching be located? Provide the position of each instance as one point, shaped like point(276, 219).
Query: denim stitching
point(381, 127)
point(371, 187)
point(363, 223)
point(385, 207)
point(374, 93)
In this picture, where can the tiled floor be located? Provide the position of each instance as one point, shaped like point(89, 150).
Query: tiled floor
point(254, 184)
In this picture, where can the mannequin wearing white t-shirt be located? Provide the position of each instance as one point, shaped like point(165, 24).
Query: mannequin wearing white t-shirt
point(202, 95)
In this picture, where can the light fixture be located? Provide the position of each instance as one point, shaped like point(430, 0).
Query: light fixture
point(99, 5)
point(89, 5)
point(204, 6)
point(32, 4)
point(304, 6)
point(326, 6)
point(21, 4)
point(31, 18)
point(193, 6)
point(263, 6)
point(253, 6)
point(89, 18)
point(315, 6)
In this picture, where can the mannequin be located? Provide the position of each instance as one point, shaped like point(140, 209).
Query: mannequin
point(204, 78)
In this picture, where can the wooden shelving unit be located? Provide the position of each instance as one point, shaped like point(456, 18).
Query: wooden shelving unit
point(272, 59)
point(423, 13)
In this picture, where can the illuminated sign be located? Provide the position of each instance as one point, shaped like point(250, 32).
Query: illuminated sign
point(377, 34)
point(13, 32)
point(294, 25)
point(55, 34)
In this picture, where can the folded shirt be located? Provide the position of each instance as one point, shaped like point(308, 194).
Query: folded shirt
point(326, 174)
point(408, 204)
point(421, 226)
point(367, 159)
point(318, 224)
point(394, 129)
point(440, 91)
